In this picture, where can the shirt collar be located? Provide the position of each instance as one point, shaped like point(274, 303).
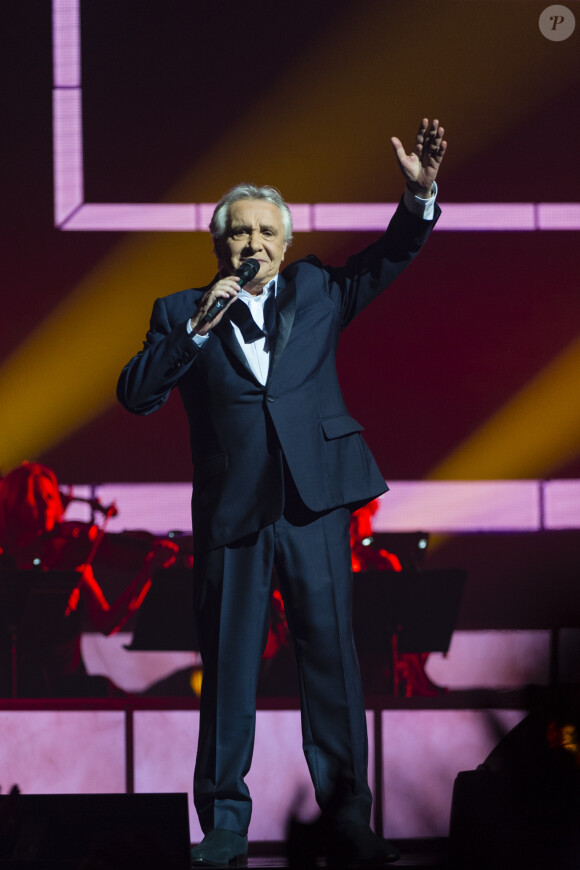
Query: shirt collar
point(271, 286)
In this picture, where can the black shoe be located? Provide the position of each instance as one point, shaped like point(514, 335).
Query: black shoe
point(353, 845)
point(221, 848)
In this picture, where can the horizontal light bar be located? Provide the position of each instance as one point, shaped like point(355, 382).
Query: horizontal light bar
point(460, 506)
point(126, 217)
point(558, 216)
point(498, 216)
point(562, 504)
point(72, 214)
point(429, 506)
point(369, 216)
point(155, 507)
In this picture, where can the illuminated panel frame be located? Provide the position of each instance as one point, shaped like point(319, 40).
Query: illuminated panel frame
point(71, 212)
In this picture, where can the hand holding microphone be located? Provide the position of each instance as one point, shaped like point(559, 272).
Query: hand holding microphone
point(248, 270)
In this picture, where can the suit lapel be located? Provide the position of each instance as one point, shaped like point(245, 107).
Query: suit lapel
point(226, 333)
point(286, 304)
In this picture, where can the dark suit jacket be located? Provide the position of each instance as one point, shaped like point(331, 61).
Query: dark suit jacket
point(238, 427)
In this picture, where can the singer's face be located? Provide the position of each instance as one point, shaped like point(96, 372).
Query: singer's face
point(255, 230)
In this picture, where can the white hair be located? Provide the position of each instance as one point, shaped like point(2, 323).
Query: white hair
point(218, 226)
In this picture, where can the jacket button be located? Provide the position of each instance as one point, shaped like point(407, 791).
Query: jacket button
point(270, 398)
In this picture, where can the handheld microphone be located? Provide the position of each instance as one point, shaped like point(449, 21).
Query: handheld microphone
point(248, 270)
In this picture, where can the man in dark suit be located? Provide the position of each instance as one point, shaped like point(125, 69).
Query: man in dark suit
point(278, 466)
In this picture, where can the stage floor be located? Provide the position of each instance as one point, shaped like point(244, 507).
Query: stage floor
point(418, 853)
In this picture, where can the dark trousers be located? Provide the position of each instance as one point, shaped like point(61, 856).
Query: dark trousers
point(232, 599)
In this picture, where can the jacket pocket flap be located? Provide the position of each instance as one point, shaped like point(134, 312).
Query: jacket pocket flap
point(336, 427)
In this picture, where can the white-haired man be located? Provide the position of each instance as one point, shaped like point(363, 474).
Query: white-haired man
point(278, 466)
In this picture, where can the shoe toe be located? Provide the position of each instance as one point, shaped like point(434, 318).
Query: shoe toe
point(221, 848)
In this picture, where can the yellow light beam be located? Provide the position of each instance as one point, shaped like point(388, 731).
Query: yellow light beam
point(66, 372)
point(535, 433)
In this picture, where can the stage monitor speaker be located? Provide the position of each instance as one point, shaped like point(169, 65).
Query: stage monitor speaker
point(521, 807)
point(95, 832)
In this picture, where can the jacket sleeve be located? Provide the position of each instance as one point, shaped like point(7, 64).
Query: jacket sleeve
point(366, 274)
point(168, 352)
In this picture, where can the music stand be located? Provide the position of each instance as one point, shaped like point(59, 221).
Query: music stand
point(406, 611)
point(165, 620)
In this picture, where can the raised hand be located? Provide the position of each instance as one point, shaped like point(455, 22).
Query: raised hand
point(420, 167)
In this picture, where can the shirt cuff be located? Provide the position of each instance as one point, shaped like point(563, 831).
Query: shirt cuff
point(200, 340)
point(423, 208)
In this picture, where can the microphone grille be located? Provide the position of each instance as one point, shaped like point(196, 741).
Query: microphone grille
point(248, 269)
